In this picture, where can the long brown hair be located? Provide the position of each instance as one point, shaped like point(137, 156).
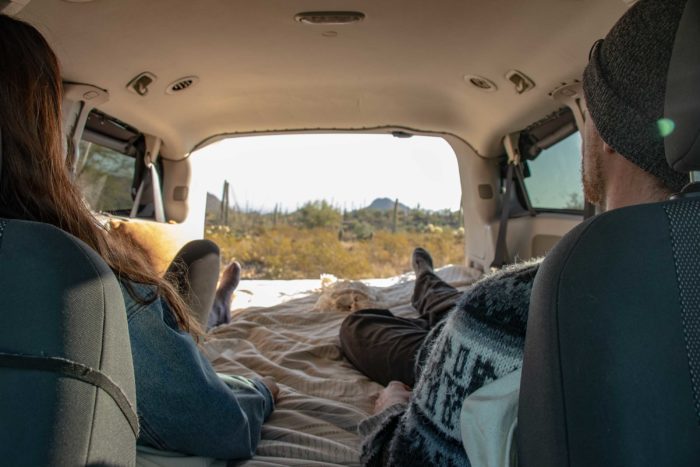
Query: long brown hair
point(34, 181)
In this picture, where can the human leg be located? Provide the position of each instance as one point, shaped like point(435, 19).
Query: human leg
point(195, 273)
point(432, 297)
point(381, 345)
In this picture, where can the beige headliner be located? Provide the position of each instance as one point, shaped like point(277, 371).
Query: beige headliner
point(262, 71)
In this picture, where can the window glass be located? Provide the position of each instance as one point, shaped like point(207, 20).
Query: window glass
point(104, 177)
point(555, 176)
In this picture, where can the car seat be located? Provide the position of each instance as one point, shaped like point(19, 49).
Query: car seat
point(67, 393)
point(611, 371)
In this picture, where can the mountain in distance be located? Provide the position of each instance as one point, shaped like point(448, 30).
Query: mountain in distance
point(386, 204)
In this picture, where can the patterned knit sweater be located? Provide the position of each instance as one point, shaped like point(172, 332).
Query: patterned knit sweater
point(480, 341)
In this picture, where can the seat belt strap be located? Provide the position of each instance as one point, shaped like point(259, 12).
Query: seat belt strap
point(520, 175)
point(137, 200)
point(501, 255)
point(588, 210)
point(78, 102)
point(152, 150)
point(157, 195)
point(515, 171)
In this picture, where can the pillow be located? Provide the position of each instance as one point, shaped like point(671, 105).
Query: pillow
point(160, 241)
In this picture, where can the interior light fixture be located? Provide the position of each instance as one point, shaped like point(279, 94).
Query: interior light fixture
point(329, 18)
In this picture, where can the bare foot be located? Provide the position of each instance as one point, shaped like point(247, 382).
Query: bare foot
point(395, 393)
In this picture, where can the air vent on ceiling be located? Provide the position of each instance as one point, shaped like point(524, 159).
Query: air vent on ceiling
point(181, 84)
point(330, 18)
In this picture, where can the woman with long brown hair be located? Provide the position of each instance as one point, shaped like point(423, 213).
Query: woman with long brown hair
point(182, 404)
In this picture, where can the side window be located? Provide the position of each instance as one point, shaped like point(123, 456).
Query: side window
point(104, 177)
point(555, 176)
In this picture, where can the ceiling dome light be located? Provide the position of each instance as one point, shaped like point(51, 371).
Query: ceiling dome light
point(330, 18)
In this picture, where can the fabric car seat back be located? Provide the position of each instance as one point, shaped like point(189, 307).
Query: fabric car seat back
point(67, 393)
point(611, 371)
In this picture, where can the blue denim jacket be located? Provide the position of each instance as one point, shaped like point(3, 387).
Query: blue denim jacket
point(183, 405)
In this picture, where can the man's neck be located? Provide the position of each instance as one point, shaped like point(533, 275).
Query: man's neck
point(628, 185)
point(622, 198)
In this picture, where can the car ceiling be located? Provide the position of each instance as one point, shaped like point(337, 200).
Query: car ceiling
point(261, 70)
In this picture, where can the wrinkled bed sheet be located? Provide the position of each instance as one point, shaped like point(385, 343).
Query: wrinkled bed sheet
point(322, 397)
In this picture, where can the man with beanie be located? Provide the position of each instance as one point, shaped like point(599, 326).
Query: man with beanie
point(625, 86)
point(479, 344)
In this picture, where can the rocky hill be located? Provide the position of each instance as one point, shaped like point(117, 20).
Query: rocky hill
point(386, 204)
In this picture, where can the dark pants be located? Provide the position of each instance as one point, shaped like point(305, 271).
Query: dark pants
point(195, 273)
point(384, 346)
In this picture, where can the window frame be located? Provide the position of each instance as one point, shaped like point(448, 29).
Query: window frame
point(113, 134)
point(551, 131)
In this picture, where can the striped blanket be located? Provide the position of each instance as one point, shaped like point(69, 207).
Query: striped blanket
point(323, 398)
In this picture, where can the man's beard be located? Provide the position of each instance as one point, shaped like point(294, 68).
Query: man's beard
point(593, 180)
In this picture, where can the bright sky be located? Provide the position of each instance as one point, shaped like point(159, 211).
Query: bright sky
point(347, 170)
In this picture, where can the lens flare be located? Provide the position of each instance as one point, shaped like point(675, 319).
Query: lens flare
point(665, 126)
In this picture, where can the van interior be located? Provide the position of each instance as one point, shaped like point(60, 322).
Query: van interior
point(154, 83)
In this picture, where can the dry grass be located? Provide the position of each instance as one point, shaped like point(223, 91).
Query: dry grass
point(288, 252)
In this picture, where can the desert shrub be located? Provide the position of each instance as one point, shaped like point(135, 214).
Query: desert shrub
point(362, 230)
point(290, 252)
point(318, 214)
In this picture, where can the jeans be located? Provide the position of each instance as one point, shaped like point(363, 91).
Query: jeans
point(384, 346)
point(183, 405)
point(195, 273)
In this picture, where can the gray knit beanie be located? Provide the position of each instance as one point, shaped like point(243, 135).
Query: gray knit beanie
point(625, 85)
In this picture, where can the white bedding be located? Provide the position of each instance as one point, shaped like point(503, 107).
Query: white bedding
point(322, 398)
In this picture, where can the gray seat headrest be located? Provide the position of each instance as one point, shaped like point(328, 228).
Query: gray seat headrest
point(683, 93)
